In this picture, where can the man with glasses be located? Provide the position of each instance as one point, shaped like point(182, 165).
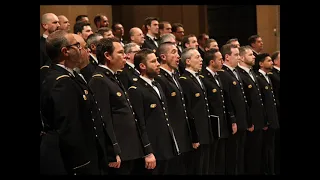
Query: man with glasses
point(75, 142)
point(129, 73)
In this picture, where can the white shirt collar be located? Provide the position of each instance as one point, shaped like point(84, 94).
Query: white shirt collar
point(170, 73)
point(149, 81)
point(213, 73)
point(277, 68)
point(244, 68)
point(192, 72)
point(262, 72)
point(94, 58)
point(150, 36)
point(231, 68)
point(45, 36)
point(130, 64)
point(66, 68)
point(106, 67)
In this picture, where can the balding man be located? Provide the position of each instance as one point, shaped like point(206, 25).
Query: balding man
point(49, 24)
point(64, 23)
point(136, 36)
point(76, 142)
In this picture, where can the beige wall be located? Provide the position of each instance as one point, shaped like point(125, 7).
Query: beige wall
point(268, 26)
point(72, 11)
point(193, 17)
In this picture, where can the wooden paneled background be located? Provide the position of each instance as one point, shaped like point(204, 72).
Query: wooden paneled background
point(193, 17)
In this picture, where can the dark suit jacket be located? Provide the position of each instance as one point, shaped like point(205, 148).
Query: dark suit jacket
point(74, 127)
point(197, 109)
point(148, 43)
point(181, 66)
point(219, 104)
point(234, 90)
point(44, 58)
point(177, 110)
point(88, 71)
point(255, 103)
point(274, 75)
point(152, 113)
point(117, 113)
point(128, 75)
point(269, 101)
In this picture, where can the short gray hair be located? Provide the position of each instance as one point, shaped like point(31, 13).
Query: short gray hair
point(127, 48)
point(166, 38)
point(186, 54)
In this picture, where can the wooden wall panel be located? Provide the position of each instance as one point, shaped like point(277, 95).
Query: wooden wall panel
point(188, 15)
point(171, 13)
point(267, 22)
point(190, 19)
point(72, 11)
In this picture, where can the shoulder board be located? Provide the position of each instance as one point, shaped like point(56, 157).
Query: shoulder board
point(269, 73)
point(182, 77)
point(221, 70)
point(44, 67)
point(132, 87)
point(97, 75)
point(201, 76)
point(62, 76)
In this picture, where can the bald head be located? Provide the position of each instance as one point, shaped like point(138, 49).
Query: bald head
point(49, 23)
point(136, 36)
point(64, 23)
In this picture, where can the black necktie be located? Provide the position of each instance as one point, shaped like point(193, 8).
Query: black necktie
point(217, 79)
point(253, 75)
point(154, 83)
point(197, 74)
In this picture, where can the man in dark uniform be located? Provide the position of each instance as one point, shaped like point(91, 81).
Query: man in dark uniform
point(197, 110)
point(253, 147)
point(75, 142)
point(221, 111)
point(270, 105)
point(168, 79)
point(129, 73)
point(150, 105)
point(151, 40)
point(116, 107)
point(49, 23)
point(90, 67)
point(233, 88)
point(274, 75)
point(178, 32)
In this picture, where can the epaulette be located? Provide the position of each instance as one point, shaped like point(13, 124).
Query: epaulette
point(221, 70)
point(201, 76)
point(45, 66)
point(269, 73)
point(62, 76)
point(132, 87)
point(182, 77)
point(97, 75)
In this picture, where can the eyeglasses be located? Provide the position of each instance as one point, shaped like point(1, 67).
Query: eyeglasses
point(76, 45)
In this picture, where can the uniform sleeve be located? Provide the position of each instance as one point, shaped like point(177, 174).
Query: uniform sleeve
point(136, 100)
point(101, 91)
point(73, 149)
point(187, 96)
